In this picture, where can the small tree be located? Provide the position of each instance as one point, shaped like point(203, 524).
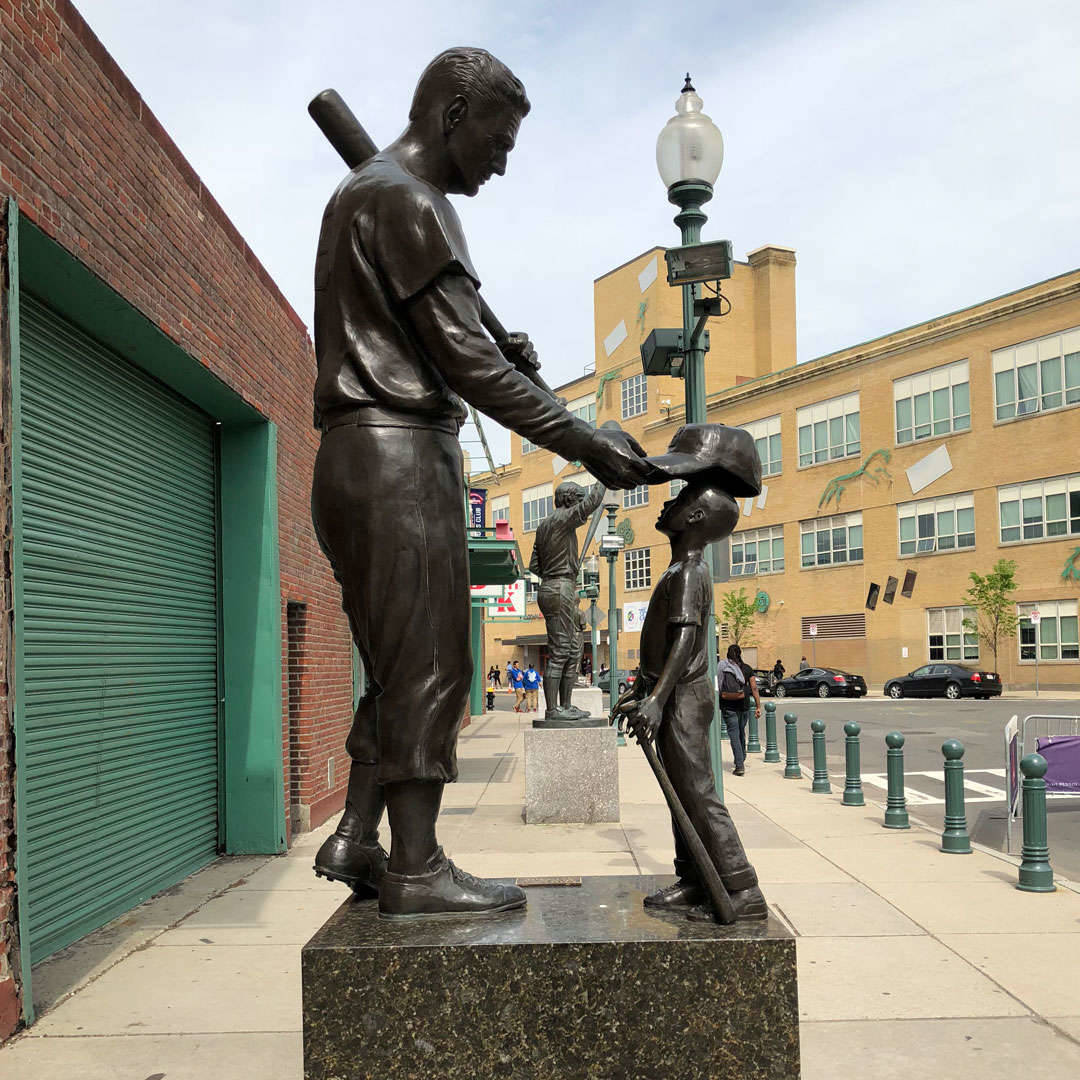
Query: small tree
point(995, 610)
point(738, 612)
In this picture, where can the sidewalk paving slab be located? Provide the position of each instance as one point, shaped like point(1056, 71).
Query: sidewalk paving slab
point(839, 909)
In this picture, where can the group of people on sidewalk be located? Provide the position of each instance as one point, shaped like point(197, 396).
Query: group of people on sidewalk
point(525, 685)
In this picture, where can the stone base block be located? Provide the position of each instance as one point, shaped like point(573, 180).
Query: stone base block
point(582, 985)
point(571, 775)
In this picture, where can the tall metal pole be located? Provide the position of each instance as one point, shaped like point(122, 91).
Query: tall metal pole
point(612, 625)
point(594, 634)
point(689, 196)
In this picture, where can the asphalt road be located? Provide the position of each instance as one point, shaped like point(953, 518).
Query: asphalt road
point(926, 724)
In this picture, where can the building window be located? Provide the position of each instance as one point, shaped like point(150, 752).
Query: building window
point(537, 503)
point(638, 569)
point(638, 496)
point(1044, 508)
point(1037, 376)
point(946, 637)
point(832, 540)
point(584, 409)
point(675, 486)
point(635, 398)
point(757, 551)
point(936, 402)
point(766, 435)
point(945, 524)
point(528, 447)
point(500, 508)
point(1055, 636)
point(828, 430)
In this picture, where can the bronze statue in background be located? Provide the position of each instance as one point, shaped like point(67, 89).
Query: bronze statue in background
point(555, 560)
point(400, 343)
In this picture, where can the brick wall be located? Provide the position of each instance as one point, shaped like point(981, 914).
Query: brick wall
point(90, 164)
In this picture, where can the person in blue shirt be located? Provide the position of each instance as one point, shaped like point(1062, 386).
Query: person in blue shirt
point(532, 688)
point(516, 678)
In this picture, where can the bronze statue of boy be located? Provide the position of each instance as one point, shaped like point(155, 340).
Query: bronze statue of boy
point(671, 701)
point(399, 344)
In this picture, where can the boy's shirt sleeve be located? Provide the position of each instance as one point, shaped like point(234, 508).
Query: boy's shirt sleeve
point(688, 596)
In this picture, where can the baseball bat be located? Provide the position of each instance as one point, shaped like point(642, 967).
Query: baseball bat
point(347, 136)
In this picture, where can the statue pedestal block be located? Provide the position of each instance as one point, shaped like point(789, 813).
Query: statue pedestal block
point(583, 983)
point(571, 775)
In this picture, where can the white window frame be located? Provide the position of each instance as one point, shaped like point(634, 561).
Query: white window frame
point(638, 496)
point(832, 526)
point(500, 508)
point(834, 430)
point(537, 503)
point(933, 526)
point(1056, 495)
point(584, 408)
point(637, 569)
point(634, 396)
point(766, 436)
point(674, 487)
point(1045, 370)
point(528, 447)
point(936, 402)
point(757, 542)
point(956, 644)
point(1050, 634)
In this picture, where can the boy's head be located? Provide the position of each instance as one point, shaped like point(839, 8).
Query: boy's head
point(701, 508)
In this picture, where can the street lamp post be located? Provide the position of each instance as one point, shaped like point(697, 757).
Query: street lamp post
point(609, 548)
point(689, 155)
point(592, 590)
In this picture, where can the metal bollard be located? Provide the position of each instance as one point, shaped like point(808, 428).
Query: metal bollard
point(853, 793)
point(772, 752)
point(896, 815)
point(954, 839)
point(791, 743)
point(821, 785)
point(753, 740)
point(1036, 874)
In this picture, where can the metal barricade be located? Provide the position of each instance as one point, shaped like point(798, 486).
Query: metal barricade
point(1021, 738)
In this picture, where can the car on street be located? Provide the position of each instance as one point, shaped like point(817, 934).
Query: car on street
point(821, 682)
point(945, 680)
point(764, 681)
point(624, 679)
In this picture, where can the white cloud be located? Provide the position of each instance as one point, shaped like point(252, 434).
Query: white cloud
point(919, 157)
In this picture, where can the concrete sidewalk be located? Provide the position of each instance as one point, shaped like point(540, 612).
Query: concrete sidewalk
point(912, 963)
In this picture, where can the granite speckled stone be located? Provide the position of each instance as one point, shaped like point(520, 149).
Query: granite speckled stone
point(571, 775)
point(582, 985)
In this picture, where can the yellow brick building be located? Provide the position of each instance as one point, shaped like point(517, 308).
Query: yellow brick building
point(933, 451)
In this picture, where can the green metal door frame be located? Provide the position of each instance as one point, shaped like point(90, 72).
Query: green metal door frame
point(252, 809)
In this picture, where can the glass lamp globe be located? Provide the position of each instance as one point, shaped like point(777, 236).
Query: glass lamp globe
point(690, 146)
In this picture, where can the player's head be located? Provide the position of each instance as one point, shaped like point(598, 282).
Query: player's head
point(702, 508)
point(568, 493)
point(479, 104)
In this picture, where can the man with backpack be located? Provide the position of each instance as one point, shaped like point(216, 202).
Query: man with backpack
point(738, 694)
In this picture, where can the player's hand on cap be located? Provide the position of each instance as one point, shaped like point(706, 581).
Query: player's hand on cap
point(616, 459)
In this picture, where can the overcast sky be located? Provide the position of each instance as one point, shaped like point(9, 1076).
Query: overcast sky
point(919, 156)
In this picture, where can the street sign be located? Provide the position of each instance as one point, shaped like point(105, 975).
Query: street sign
point(813, 629)
point(612, 542)
point(596, 616)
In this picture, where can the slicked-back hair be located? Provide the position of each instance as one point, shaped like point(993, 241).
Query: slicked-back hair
point(474, 74)
point(568, 492)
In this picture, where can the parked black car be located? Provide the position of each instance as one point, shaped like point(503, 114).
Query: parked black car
point(821, 682)
point(945, 680)
point(764, 681)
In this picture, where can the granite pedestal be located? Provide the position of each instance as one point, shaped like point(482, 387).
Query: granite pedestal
point(571, 775)
point(582, 985)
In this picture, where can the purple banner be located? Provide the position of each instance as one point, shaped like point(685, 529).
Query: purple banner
point(477, 509)
point(1062, 753)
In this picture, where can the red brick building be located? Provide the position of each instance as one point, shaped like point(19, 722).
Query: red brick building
point(175, 672)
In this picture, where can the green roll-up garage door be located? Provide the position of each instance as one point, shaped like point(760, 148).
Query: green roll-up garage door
point(119, 634)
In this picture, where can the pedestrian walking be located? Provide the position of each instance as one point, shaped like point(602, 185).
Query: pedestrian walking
point(532, 689)
point(517, 681)
point(509, 677)
point(733, 691)
point(494, 677)
point(803, 665)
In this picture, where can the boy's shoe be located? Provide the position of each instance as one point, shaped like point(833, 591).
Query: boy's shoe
point(359, 865)
point(749, 906)
point(680, 895)
point(444, 891)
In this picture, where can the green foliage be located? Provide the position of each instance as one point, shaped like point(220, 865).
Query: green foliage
point(738, 612)
point(995, 610)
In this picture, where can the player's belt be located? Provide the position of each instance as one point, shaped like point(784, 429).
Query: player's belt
point(380, 416)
